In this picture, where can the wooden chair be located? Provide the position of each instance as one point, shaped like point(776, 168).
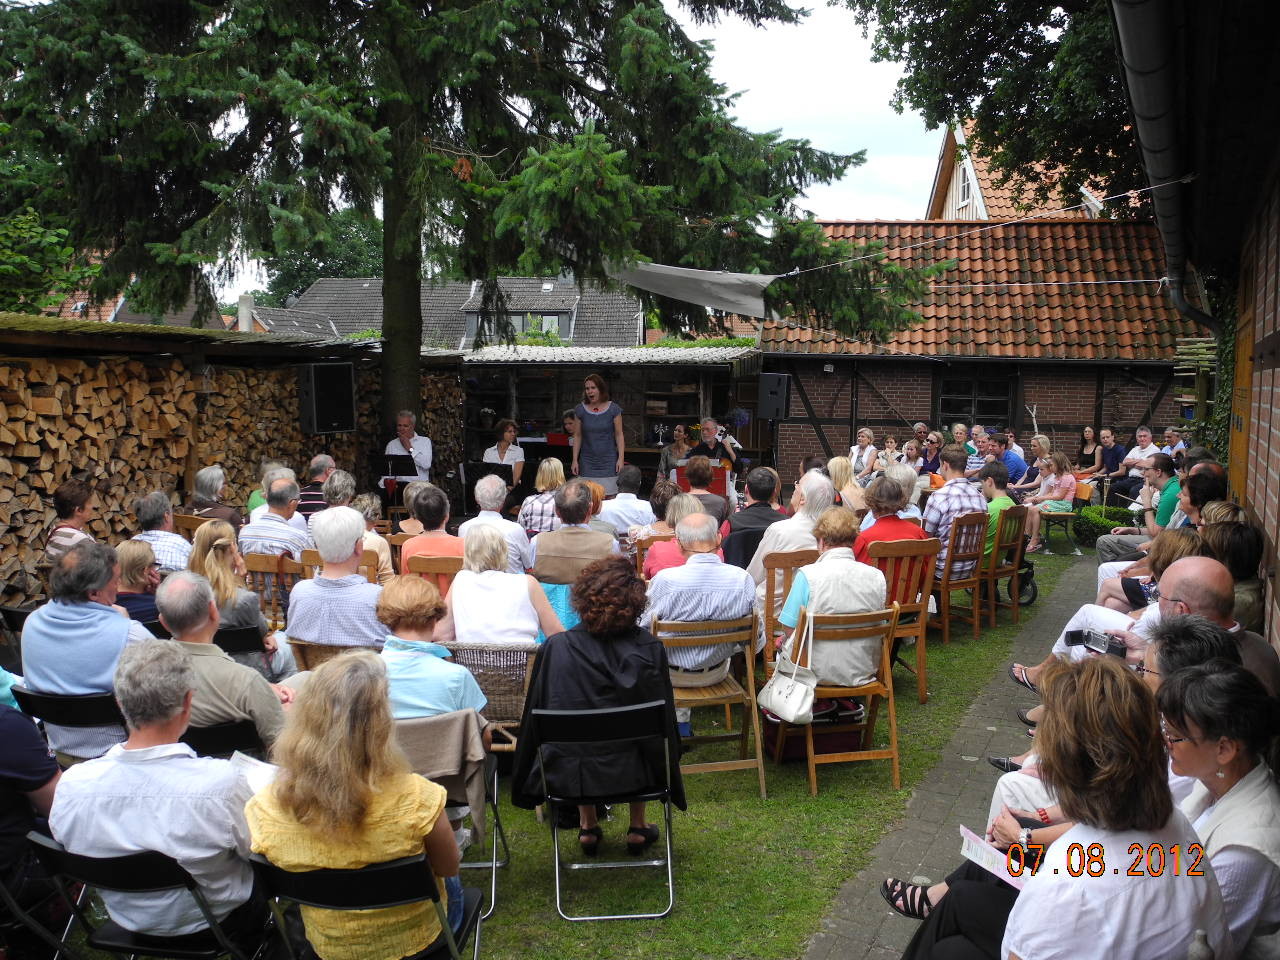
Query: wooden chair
point(784, 563)
point(396, 541)
point(311, 655)
point(728, 692)
point(908, 567)
point(1005, 562)
point(877, 626)
point(187, 524)
point(261, 575)
point(1084, 496)
point(312, 562)
point(968, 540)
point(502, 670)
point(443, 569)
point(382, 527)
point(643, 545)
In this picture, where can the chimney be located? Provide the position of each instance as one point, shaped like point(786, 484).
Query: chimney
point(244, 318)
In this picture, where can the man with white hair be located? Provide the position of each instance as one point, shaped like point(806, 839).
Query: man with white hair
point(155, 518)
point(291, 516)
point(338, 607)
point(491, 494)
point(206, 501)
point(813, 494)
point(153, 793)
point(408, 443)
point(703, 588)
point(225, 691)
point(311, 496)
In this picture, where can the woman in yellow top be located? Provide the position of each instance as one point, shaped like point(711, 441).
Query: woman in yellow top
point(345, 798)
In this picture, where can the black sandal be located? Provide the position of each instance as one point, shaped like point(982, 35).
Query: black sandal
point(597, 835)
point(912, 899)
point(650, 834)
point(1023, 715)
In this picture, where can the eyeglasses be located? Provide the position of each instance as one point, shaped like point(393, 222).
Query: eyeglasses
point(934, 442)
point(1164, 733)
point(1144, 671)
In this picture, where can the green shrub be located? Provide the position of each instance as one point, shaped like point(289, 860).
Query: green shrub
point(1094, 521)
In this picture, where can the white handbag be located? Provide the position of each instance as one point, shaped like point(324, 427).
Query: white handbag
point(789, 693)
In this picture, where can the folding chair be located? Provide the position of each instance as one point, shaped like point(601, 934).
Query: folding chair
point(442, 569)
point(728, 692)
point(786, 564)
point(239, 640)
point(1005, 562)
point(69, 710)
point(393, 883)
point(157, 629)
point(502, 671)
point(1083, 497)
point(417, 737)
point(878, 626)
point(13, 619)
point(224, 739)
point(643, 545)
point(640, 723)
point(133, 873)
point(187, 524)
point(908, 567)
point(964, 553)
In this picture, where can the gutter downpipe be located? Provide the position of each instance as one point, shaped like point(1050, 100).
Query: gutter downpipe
point(1144, 33)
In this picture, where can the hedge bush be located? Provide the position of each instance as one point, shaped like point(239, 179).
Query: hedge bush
point(1094, 521)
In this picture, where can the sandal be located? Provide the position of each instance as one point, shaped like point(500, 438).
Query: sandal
point(1018, 674)
point(909, 899)
point(590, 847)
point(649, 833)
point(1023, 716)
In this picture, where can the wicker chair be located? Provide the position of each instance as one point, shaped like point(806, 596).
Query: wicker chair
point(502, 670)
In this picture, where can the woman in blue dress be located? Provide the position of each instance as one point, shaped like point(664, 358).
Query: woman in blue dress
point(598, 446)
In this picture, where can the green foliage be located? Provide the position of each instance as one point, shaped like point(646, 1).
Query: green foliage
point(38, 266)
point(540, 338)
point(709, 342)
point(1041, 82)
point(370, 334)
point(1094, 521)
point(349, 246)
point(1214, 431)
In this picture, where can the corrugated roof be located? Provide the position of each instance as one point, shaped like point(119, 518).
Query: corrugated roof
point(684, 356)
point(1079, 322)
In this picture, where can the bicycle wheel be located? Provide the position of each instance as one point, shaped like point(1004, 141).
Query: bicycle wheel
point(1027, 590)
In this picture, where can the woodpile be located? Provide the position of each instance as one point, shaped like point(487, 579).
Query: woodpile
point(130, 426)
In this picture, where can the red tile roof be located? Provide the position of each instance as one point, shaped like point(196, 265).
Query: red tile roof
point(1079, 322)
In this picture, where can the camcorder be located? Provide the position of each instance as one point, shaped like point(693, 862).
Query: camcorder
point(1097, 641)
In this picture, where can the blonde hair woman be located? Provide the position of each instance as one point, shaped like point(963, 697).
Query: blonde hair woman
point(139, 577)
point(538, 512)
point(486, 604)
point(215, 555)
point(849, 494)
point(863, 457)
point(344, 798)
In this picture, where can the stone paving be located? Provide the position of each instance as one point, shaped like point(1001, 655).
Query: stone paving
point(956, 791)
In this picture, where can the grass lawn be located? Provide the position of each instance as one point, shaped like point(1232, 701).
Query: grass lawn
point(753, 877)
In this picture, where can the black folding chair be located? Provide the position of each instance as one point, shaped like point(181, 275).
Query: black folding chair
point(740, 546)
point(239, 639)
point(133, 873)
point(375, 887)
point(224, 739)
point(157, 629)
point(69, 710)
point(13, 618)
point(615, 726)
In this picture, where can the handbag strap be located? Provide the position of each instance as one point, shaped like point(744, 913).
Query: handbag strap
point(800, 645)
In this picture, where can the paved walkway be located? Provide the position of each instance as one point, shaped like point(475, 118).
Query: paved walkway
point(957, 791)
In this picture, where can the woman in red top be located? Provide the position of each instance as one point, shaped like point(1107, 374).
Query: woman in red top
point(885, 497)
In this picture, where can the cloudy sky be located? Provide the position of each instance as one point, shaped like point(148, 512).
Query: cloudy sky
point(778, 69)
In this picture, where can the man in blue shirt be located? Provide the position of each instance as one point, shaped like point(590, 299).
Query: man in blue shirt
point(1000, 448)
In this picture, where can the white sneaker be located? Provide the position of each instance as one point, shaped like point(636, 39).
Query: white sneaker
point(463, 837)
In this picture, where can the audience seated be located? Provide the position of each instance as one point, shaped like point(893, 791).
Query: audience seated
point(345, 798)
point(862, 457)
point(1240, 546)
point(663, 492)
point(699, 474)
point(1132, 593)
point(1030, 482)
point(155, 518)
point(370, 507)
point(1112, 454)
point(837, 583)
point(999, 447)
point(258, 498)
point(981, 454)
point(153, 793)
point(848, 493)
point(311, 497)
point(761, 487)
point(703, 588)
point(1158, 499)
point(626, 510)
point(338, 606)
point(139, 577)
point(431, 510)
point(538, 512)
point(886, 504)
point(274, 532)
point(667, 553)
point(75, 503)
point(930, 462)
point(424, 681)
point(559, 555)
point(488, 603)
point(994, 478)
point(491, 493)
point(813, 494)
point(70, 644)
point(206, 500)
point(597, 504)
point(1057, 495)
point(216, 556)
point(1134, 464)
point(225, 691)
point(410, 524)
point(606, 661)
point(296, 519)
point(956, 497)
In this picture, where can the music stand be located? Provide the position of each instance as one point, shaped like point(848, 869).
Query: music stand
point(400, 466)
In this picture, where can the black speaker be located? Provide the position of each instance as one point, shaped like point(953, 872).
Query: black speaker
point(327, 397)
point(774, 401)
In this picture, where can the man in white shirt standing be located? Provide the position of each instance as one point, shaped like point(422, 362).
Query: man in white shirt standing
point(627, 510)
point(408, 443)
point(153, 793)
point(491, 494)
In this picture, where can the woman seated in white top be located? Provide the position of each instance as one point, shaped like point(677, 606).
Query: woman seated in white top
point(486, 604)
point(1100, 745)
point(1219, 724)
point(506, 451)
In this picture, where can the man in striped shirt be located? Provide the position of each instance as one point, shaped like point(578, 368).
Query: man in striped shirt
point(311, 497)
point(704, 588)
point(955, 498)
point(272, 533)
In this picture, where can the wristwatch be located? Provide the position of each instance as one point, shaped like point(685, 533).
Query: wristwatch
point(1024, 837)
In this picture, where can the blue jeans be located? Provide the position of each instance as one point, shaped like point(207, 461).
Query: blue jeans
point(453, 887)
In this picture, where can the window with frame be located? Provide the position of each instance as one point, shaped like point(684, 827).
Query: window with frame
point(966, 185)
point(522, 323)
point(981, 399)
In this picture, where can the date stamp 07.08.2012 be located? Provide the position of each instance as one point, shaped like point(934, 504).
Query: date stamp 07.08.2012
point(1154, 860)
